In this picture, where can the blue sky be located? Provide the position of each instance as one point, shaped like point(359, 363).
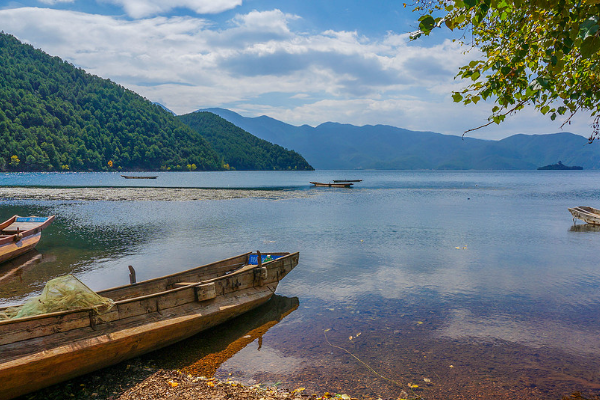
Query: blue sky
point(299, 61)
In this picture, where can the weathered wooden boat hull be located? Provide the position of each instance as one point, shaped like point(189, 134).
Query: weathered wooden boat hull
point(39, 351)
point(138, 177)
point(589, 215)
point(334, 185)
point(12, 250)
point(14, 243)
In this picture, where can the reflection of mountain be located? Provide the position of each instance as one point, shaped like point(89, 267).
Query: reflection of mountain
point(202, 354)
point(585, 228)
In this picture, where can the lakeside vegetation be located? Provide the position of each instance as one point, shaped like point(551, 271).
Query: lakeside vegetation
point(56, 117)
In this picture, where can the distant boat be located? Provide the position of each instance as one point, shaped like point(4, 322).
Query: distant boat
point(346, 180)
point(40, 350)
point(587, 214)
point(139, 177)
point(335, 185)
point(18, 235)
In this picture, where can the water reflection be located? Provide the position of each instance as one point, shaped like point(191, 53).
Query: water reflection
point(15, 268)
point(463, 325)
point(204, 353)
point(584, 228)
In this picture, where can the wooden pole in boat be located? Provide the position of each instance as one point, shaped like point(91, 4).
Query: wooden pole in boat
point(131, 275)
point(259, 259)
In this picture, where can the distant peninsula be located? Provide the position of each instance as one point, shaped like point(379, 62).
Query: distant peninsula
point(559, 167)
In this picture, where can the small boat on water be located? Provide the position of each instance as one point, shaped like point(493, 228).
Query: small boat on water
point(40, 350)
point(587, 214)
point(18, 235)
point(139, 176)
point(334, 185)
point(346, 180)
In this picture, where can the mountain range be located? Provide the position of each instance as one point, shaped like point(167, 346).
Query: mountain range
point(341, 146)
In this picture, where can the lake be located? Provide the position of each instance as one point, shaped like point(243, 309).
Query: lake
point(439, 284)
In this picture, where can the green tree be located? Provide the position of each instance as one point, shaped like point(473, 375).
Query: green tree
point(543, 53)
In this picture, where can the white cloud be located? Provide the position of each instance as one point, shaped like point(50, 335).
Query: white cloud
point(146, 8)
point(51, 2)
point(187, 63)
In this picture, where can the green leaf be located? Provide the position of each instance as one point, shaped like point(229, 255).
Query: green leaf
point(457, 97)
point(426, 23)
point(545, 83)
point(545, 110)
point(590, 46)
point(470, 3)
point(589, 27)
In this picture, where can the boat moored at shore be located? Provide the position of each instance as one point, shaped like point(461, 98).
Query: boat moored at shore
point(587, 214)
point(18, 235)
point(40, 350)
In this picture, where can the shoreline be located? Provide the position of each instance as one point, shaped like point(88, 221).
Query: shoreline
point(136, 380)
point(145, 194)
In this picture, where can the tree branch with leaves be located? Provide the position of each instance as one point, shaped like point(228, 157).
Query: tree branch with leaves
point(543, 53)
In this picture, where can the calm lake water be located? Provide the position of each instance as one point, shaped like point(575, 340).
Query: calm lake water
point(460, 283)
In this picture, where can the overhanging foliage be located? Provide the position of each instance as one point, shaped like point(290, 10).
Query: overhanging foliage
point(543, 53)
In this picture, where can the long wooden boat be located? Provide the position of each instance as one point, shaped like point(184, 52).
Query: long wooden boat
point(139, 176)
point(42, 350)
point(21, 234)
point(335, 185)
point(587, 214)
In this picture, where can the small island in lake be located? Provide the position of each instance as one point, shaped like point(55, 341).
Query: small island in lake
point(560, 167)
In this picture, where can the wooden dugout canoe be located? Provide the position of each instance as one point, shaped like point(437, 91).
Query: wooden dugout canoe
point(42, 350)
point(21, 234)
point(587, 214)
point(139, 177)
point(334, 185)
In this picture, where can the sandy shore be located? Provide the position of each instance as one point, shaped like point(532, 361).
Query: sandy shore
point(148, 194)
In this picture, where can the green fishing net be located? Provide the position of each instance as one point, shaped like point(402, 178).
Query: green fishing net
point(60, 294)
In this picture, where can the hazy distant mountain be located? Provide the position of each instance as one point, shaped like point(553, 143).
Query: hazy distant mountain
point(339, 146)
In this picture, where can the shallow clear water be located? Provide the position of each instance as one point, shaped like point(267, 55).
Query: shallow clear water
point(475, 281)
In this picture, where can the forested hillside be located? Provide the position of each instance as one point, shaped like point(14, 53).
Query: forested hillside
point(54, 116)
point(242, 150)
